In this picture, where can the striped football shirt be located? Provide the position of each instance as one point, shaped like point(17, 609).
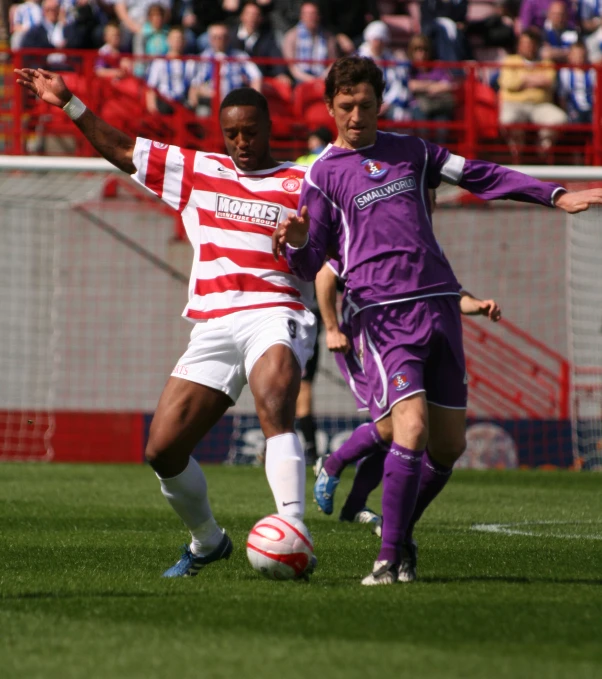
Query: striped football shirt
point(229, 216)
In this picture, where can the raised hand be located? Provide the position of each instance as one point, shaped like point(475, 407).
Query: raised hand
point(48, 86)
point(578, 201)
point(293, 230)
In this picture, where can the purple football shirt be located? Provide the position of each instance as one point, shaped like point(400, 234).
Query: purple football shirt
point(369, 209)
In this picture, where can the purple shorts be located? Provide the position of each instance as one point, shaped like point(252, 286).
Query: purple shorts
point(352, 372)
point(412, 347)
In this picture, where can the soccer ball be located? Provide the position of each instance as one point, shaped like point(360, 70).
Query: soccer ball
point(280, 547)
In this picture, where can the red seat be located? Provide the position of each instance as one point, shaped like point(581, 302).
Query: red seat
point(310, 107)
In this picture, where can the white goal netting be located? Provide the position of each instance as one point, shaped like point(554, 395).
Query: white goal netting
point(94, 279)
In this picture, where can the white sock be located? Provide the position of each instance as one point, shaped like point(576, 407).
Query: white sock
point(187, 494)
point(285, 469)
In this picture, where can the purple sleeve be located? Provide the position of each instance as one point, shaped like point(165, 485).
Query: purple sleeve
point(490, 181)
point(305, 262)
point(486, 180)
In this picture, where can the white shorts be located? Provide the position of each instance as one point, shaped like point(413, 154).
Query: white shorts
point(222, 351)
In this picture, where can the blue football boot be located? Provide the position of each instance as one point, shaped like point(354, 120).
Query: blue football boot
point(189, 564)
point(324, 488)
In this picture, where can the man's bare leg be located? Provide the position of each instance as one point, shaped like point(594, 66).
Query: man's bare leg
point(186, 412)
point(274, 382)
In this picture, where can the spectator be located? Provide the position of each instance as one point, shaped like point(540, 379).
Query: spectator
point(236, 70)
point(50, 33)
point(284, 15)
point(396, 95)
point(346, 20)
point(308, 41)
point(526, 93)
point(576, 85)
point(590, 17)
point(432, 89)
point(557, 36)
point(83, 24)
point(257, 39)
point(132, 14)
point(443, 22)
point(111, 62)
point(533, 14)
point(152, 38)
point(496, 30)
point(23, 17)
point(171, 77)
point(317, 141)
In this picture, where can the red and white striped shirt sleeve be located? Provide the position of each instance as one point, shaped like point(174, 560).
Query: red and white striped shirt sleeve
point(167, 171)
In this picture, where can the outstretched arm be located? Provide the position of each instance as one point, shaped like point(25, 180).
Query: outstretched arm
point(116, 146)
point(472, 306)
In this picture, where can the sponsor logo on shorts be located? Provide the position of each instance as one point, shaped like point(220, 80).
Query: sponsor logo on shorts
point(180, 370)
point(159, 145)
point(465, 378)
point(374, 169)
point(363, 200)
point(251, 211)
point(291, 184)
point(400, 381)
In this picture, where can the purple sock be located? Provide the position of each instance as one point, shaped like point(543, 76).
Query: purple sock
point(368, 475)
point(400, 491)
point(362, 442)
point(433, 480)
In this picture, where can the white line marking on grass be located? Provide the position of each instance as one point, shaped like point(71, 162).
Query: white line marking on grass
point(519, 528)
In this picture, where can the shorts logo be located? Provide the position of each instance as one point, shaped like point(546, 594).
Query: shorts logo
point(400, 381)
point(291, 184)
point(292, 328)
point(251, 211)
point(159, 145)
point(363, 200)
point(180, 370)
point(466, 378)
point(374, 169)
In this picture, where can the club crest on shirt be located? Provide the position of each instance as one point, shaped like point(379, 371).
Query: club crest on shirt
point(252, 211)
point(291, 184)
point(159, 145)
point(373, 168)
point(400, 381)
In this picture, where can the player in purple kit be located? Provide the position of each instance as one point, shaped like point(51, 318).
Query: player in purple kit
point(363, 202)
point(369, 443)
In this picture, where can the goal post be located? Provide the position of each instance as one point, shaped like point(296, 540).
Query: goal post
point(94, 281)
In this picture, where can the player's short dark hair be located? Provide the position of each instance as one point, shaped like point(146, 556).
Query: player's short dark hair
point(246, 96)
point(348, 72)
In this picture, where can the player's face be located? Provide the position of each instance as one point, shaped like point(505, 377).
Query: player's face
point(246, 135)
point(355, 113)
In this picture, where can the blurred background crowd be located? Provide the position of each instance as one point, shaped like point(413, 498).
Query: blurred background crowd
point(539, 50)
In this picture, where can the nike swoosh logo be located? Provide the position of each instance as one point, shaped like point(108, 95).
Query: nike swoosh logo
point(293, 502)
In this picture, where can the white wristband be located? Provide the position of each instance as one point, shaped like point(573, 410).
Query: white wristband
point(74, 108)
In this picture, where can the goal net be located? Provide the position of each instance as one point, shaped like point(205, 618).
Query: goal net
point(94, 278)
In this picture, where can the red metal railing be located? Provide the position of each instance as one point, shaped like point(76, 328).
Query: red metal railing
point(516, 374)
point(473, 131)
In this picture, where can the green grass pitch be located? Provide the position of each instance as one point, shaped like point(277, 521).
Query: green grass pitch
point(82, 549)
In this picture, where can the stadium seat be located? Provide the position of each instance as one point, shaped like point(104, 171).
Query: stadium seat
point(309, 105)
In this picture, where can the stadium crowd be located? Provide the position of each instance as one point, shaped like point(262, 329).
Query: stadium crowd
point(542, 49)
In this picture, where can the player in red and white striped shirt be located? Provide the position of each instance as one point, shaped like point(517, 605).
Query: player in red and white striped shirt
point(250, 313)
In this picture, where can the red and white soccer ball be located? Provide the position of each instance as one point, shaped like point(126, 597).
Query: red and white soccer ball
point(280, 547)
